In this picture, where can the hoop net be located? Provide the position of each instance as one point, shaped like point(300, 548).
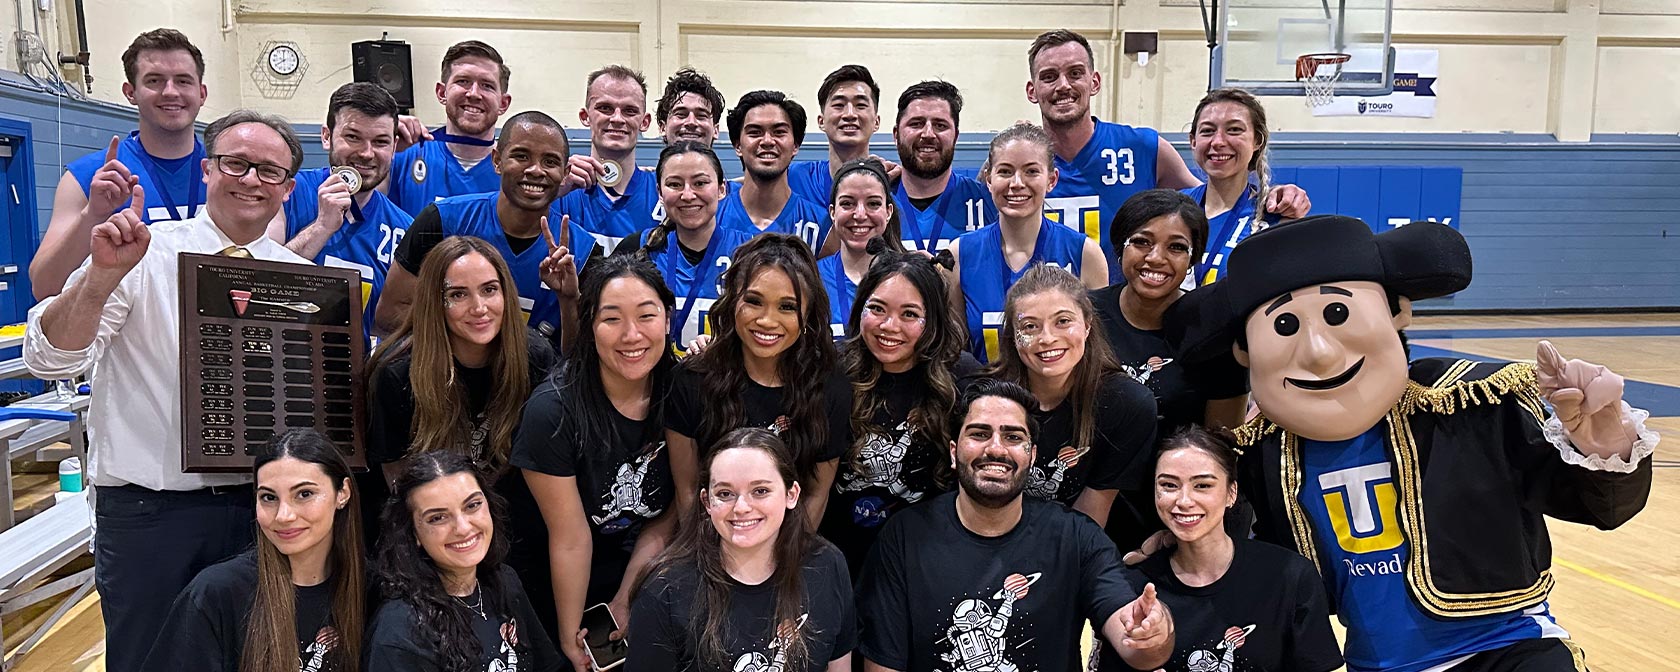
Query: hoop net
point(1318, 74)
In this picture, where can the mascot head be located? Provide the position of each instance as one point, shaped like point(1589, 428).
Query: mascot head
point(1313, 309)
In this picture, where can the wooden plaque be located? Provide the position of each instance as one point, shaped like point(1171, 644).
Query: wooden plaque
point(267, 346)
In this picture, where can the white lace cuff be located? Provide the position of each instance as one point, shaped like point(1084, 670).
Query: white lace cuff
point(1643, 446)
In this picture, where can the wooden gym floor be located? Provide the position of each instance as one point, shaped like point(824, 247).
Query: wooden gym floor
point(1618, 593)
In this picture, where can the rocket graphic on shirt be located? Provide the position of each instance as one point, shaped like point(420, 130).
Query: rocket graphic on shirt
point(775, 660)
point(1142, 372)
point(1045, 484)
point(977, 631)
point(627, 494)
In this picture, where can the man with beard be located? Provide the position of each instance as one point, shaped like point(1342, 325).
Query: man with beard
point(349, 225)
point(473, 92)
point(1101, 164)
point(531, 159)
point(689, 108)
point(767, 129)
point(849, 117)
point(166, 86)
point(934, 205)
point(615, 199)
point(986, 579)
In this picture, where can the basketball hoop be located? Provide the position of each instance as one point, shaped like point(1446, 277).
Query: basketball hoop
point(1318, 74)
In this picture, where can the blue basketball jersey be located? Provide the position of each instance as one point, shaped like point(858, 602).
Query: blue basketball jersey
point(1224, 232)
point(475, 215)
point(366, 241)
point(965, 205)
point(811, 181)
point(986, 278)
point(799, 217)
point(841, 292)
point(428, 172)
point(638, 210)
point(1117, 162)
point(174, 187)
point(696, 286)
point(1349, 494)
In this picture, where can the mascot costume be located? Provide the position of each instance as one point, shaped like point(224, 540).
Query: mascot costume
point(1419, 489)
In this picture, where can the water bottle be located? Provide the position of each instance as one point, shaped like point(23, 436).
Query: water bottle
point(70, 475)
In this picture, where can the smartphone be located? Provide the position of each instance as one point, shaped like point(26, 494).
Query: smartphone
point(603, 652)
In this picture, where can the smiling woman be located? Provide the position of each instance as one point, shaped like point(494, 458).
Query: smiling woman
point(450, 604)
point(745, 585)
point(298, 595)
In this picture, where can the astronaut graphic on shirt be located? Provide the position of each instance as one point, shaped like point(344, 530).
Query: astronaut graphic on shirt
point(776, 661)
point(977, 631)
point(314, 658)
point(1221, 656)
point(1045, 485)
point(881, 465)
point(626, 494)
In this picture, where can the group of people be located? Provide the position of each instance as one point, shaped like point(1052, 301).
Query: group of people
point(842, 414)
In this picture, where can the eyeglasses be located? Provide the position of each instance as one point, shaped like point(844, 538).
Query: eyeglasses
point(267, 173)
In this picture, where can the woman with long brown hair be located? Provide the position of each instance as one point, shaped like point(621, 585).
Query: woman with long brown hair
point(745, 585)
point(903, 357)
point(772, 366)
point(294, 602)
point(1097, 425)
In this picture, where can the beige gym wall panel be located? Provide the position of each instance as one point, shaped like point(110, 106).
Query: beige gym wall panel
point(549, 56)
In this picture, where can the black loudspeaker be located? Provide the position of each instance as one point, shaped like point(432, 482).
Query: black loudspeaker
point(387, 64)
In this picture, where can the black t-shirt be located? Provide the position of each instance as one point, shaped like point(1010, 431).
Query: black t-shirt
point(1181, 394)
point(937, 596)
point(1117, 459)
point(427, 231)
point(1267, 614)
point(891, 471)
point(391, 411)
point(619, 494)
point(205, 630)
point(662, 639)
point(764, 407)
point(510, 642)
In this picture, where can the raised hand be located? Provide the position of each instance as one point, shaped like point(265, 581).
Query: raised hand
point(559, 270)
point(410, 132)
point(1146, 622)
point(119, 242)
point(581, 170)
point(112, 184)
point(894, 171)
point(332, 199)
point(1288, 201)
point(1587, 399)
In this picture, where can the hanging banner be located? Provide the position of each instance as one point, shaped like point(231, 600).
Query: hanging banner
point(1415, 72)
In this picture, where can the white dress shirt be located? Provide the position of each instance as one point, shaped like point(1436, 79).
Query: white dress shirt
point(134, 417)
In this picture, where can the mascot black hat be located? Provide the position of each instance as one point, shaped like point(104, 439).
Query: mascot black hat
point(1420, 260)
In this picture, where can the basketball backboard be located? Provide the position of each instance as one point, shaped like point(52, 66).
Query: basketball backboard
point(1255, 43)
